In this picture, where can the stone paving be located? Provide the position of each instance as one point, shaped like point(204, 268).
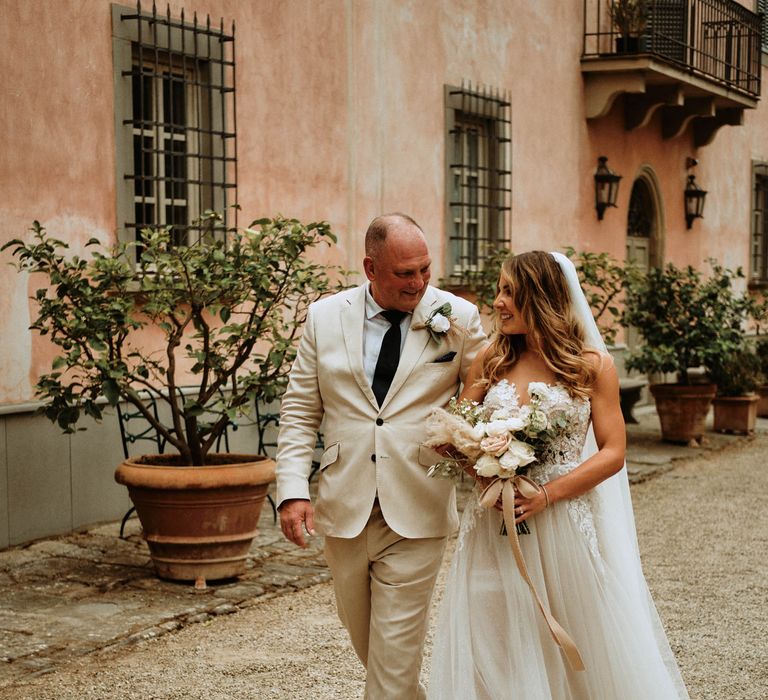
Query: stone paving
point(71, 595)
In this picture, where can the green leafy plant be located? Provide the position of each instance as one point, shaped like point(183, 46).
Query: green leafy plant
point(738, 372)
point(482, 282)
point(603, 279)
point(685, 319)
point(629, 17)
point(761, 351)
point(229, 313)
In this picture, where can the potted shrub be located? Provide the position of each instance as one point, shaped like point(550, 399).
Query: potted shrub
point(223, 315)
point(737, 376)
point(761, 350)
point(630, 19)
point(686, 322)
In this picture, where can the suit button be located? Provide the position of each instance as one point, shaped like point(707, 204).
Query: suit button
point(373, 458)
point(379, 421)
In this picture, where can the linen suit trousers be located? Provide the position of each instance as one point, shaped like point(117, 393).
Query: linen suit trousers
point(383, 584)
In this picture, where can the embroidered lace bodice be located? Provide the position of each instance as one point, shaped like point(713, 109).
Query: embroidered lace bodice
point(567, 447)
point(561, 455)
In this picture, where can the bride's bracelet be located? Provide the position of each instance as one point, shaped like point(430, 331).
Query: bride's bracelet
point(546, 494)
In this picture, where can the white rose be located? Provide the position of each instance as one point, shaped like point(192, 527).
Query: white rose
point(488, 466)
point(518, 454)
point(439, 323)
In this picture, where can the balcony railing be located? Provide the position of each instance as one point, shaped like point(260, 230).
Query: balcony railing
point(716, 39)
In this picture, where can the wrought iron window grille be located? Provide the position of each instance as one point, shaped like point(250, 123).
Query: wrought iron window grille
point(182, 119)
point(478, 177)
point(758, 277)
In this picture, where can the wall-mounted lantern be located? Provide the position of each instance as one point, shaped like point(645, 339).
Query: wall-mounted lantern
point(694, 196)
point(606, 187)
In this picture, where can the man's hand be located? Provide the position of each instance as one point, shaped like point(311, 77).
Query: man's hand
point(294, 513)
point(447, 450)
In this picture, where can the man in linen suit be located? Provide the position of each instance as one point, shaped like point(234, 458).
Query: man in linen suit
point(373, 375)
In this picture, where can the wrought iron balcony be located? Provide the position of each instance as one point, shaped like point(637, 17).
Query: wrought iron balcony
point(698, 59)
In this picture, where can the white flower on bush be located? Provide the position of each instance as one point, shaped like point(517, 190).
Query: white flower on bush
point(518, 454)
point(439, 323)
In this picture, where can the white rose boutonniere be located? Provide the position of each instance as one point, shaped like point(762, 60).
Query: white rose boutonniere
point(439, 322)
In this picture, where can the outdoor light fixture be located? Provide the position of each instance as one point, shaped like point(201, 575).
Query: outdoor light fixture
point(694, 196)
point(606, 187)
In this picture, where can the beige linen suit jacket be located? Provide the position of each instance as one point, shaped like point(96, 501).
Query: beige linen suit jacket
point(372, 451)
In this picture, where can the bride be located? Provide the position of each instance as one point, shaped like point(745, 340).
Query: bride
point(493, 639)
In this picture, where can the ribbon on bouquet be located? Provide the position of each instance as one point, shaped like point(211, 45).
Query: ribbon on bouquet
point(528, 488)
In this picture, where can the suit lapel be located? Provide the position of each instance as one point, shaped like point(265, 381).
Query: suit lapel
point(415, 342)
point(352, 320)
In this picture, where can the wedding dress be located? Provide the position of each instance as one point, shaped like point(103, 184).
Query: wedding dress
point(492, 642)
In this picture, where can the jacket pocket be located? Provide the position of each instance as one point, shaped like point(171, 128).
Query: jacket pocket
point(330, 455)
point(428, 456)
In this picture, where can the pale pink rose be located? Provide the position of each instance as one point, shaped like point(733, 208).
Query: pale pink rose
point(495, 445)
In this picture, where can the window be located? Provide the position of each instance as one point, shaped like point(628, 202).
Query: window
point(759, 257)
point(175, 122)
point(478, 178)
point(762, 9)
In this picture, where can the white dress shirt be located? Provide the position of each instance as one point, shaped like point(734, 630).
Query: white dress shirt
point(374, 328)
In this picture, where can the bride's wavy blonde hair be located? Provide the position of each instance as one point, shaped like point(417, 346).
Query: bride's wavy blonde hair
point(540, 293)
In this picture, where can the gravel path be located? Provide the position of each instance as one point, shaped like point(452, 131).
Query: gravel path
point(702, 530)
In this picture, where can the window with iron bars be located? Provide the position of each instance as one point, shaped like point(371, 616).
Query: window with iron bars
point(478, 179)
point(175, 121)
point(759, 252)
point(761, 7)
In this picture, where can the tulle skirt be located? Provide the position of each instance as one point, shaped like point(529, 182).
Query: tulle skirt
point(492, 643)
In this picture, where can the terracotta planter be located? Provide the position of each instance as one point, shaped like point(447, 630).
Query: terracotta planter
point(198, 522)
point(736, 414)
point(682, 410)
point(762, 404)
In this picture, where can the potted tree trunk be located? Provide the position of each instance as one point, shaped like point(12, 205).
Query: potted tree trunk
point(737, 375)
point(686, 322)
point(221, 315)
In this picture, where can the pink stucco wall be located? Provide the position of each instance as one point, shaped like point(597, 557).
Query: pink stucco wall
point(341, 117)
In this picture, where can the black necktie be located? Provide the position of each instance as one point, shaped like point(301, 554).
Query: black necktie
point(389, 356)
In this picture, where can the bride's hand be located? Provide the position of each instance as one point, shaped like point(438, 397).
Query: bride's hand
point(527, 507)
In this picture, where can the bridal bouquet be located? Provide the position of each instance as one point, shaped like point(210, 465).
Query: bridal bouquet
point(498, 440)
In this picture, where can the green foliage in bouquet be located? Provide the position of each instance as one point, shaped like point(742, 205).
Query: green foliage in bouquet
point(229, 312)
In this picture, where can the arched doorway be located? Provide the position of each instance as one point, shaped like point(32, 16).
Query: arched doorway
point(645, 226)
